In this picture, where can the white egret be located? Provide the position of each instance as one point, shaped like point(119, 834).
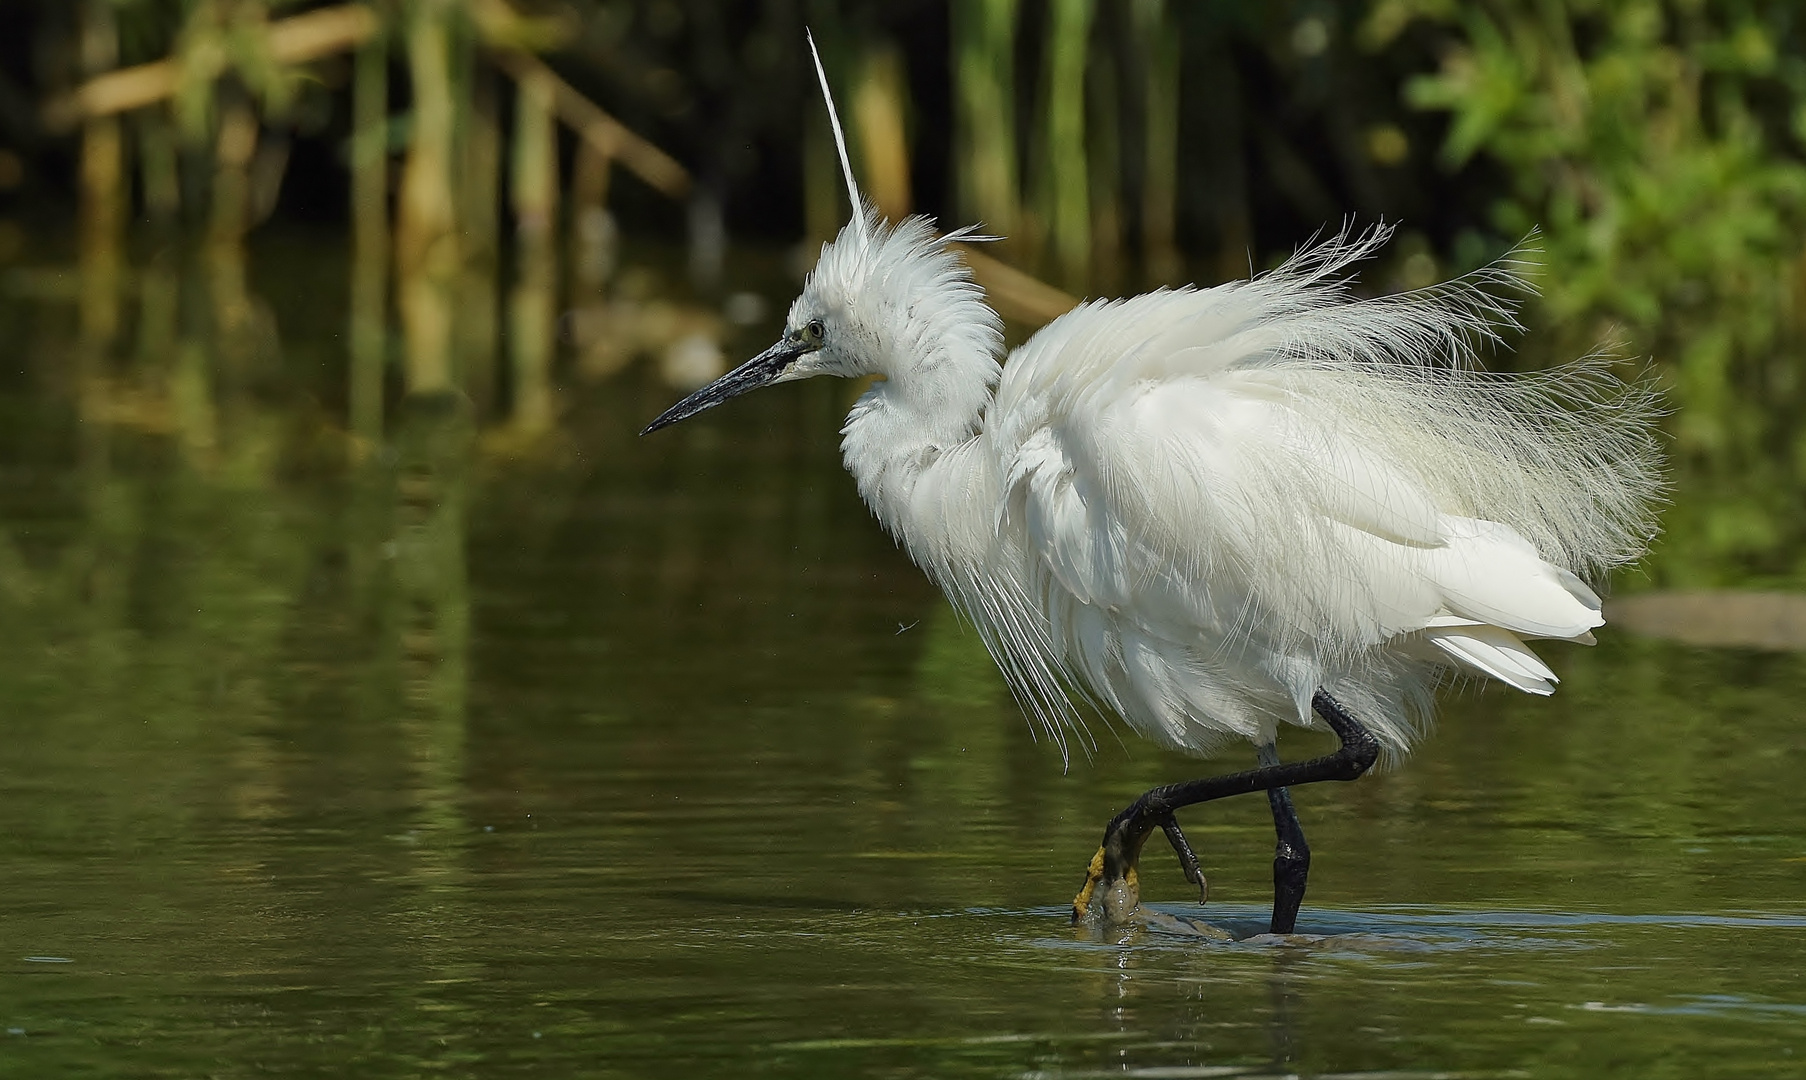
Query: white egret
point(1216, 511)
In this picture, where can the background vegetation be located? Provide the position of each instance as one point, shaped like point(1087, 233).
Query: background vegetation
point(1657, 147)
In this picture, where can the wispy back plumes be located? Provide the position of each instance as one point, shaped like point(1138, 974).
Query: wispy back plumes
point(1227, 498)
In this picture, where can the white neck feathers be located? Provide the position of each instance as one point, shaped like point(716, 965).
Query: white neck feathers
point(922, 325)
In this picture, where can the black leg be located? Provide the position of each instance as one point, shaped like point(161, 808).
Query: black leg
point(1291, 862)
point(1114, 865)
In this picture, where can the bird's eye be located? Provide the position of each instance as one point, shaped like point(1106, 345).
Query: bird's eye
point(813, 332)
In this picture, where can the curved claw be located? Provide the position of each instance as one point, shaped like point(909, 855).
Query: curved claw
point(1114, 867)
point(1188, 859)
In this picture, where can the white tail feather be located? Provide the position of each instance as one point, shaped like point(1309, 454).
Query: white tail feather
point(1499, 653)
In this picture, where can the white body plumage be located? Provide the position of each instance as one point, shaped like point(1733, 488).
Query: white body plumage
point(1197, 507)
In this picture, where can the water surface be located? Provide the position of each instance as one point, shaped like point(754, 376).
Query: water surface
point(467, 754)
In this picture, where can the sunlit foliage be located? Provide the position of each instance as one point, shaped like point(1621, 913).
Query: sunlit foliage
point(1658, 147)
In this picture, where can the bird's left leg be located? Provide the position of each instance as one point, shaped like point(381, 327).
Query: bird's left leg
point(1113, 867)
point(1291, 855)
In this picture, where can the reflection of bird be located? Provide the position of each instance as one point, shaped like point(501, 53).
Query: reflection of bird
point(1213, 511)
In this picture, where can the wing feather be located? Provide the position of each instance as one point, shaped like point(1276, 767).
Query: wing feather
point(1262, 488)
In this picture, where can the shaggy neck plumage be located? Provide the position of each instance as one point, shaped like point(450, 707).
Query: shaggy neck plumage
point(903, 429)
point(917, 320)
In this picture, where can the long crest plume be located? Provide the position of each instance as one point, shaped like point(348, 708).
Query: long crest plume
point(840, 140)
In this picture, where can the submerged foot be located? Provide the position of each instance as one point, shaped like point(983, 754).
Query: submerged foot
point(1111, 893)
point(1111, 878)
point(1112, 890)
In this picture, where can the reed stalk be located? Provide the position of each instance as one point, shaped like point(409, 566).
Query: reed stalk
point(479, 180)
point(102, 168)
point(370, 149)
point(878, 121)
point(534, 190)
point(102, 187)
point(1066, 197)
point(533, 174)
point(159, 167)
point(426, 240)
point(479, 196)
point(984, 70)
point(233, 149)
point(370, 238)
point(1105, 149)
point(1157, 40)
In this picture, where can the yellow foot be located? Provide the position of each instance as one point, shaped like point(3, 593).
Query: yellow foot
point(1121, 896)
point(1081, 904)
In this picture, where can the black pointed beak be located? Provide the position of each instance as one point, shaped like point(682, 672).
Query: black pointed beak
point(759, 371)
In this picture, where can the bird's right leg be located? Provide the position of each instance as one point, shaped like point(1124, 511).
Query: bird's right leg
point(1113, 868)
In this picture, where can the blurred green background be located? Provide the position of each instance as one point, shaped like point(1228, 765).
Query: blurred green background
point(471, 150)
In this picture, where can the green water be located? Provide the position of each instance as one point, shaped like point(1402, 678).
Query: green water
point(594, 756)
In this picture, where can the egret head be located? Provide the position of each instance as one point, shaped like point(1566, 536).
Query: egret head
point(884, 299)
